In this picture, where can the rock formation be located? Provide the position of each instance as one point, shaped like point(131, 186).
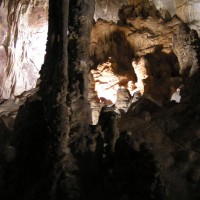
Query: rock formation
point(115, 114)
point(23, 43)
point(186, 10)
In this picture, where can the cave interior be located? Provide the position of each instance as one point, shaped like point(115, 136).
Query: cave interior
point(99, 100)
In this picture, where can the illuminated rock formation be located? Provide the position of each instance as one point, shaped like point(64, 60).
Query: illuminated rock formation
point(74, 140)
point(143, 75)
point(24, 43)
point(108, 80)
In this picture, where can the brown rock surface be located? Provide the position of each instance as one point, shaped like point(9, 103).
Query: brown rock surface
point(150, 152)
point(140, 38)
point(150, 39)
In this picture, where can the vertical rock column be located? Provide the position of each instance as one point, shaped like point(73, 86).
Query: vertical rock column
point(54, 91)
point(64, 90)
point(80, 25)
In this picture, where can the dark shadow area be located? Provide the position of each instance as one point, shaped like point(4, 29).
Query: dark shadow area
point(26, 177)
point(121, 173)
point(114, 45)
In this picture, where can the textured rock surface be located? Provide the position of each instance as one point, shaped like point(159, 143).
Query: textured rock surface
point(124, 42)
point(164, 131)
point(108, 10)
point(186, 42)
point(108, 79)
point(154, 71)
point(24, 42)
point(183, 44)
point(10, 107)
point(148, 152)
point(186, 10)
point(167, 131)
point(166, 5)
point(3, 33)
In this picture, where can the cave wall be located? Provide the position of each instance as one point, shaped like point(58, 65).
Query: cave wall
point(108, 10)
point(149, 152)
point(187, 11)
point(23, 44)
point(170, 130)
point(4, 30)
point(20, 71)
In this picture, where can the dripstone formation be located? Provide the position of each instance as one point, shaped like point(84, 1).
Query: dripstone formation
point(115, 112)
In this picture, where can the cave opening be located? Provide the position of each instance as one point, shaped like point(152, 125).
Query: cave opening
point(133, 57)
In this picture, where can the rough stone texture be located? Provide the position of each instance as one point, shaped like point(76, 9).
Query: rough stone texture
point(143, 74)
point(10, 107)
point(155, 70)
point(108, 10)
point(24, 45)
point(3, 33)
point(107, 86)
point(150, 152)
point(38, 170)
point(186, 10)
point(166, 5)
point(185, 42)
point(113, 10)
point(108, 79)
point(123, 99)
point(168, 132)
point(124, 42)
point(168, 135)
point(186, 47)
point(172, 131)
point(141, 7)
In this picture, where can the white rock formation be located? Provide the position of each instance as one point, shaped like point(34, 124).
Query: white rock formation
point(108, 9)
point(106, 83)
point(25, 45)
point(166, 5)
point(3, 33)
point(187, 10)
